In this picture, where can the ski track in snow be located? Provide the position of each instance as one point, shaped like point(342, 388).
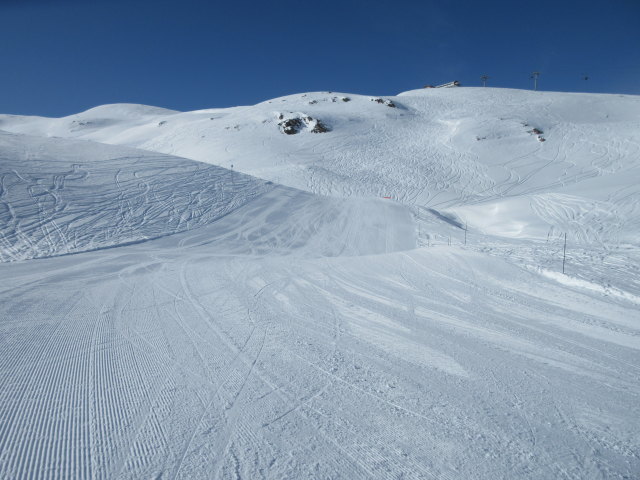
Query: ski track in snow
point(53, 206)
point(211, 324)
point(187, 364)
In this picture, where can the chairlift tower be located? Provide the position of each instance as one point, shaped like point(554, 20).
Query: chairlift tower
point(484, 79)
point(535, 76)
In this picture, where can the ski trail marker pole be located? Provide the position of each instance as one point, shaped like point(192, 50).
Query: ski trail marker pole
point(564, 251)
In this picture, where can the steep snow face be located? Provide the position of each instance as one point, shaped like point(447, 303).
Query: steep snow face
point(569, 160)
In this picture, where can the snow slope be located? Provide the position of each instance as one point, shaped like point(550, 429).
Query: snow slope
point(60, 196)
point(290, 323)
point(468, 151)
point(170, 359)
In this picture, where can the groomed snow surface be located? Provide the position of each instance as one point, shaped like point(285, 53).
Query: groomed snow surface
point(227, 293)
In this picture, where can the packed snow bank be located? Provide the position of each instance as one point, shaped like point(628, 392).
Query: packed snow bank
point(584, 284)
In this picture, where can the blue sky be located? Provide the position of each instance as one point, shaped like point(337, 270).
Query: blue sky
point(62, 57)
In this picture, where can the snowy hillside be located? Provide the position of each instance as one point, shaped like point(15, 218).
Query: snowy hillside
point(61, 196)
point(243, 302)
point(471, 152)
